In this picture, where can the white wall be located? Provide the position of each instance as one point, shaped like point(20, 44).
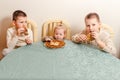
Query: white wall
point(73, 11)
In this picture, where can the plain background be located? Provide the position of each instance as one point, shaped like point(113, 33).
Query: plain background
point(73, 11)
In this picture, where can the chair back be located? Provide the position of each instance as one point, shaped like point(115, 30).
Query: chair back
point(108, 29)
point(48, 28)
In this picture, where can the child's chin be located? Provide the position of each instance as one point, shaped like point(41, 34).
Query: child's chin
point(60, 39)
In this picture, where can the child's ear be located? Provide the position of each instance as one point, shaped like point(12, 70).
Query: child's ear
point(65, 34)
point(100, 24)
point(13, 23)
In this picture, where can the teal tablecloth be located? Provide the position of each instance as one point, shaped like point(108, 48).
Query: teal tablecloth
point(72, 62)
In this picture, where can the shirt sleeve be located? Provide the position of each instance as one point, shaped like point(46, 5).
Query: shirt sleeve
point(30, 34)
point(105, 37)
point(11, 38)
point(75, 38)
point(110, 47)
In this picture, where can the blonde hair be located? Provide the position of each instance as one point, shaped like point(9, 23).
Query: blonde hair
point(60, 27)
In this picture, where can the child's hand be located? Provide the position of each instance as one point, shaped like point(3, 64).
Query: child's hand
point(48, 39)
point(20, 31)
point(28, 41)
point(95, 35)
point(82, 38)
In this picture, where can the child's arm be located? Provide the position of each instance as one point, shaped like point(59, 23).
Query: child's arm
point(109, 47)
point(47, 38)
point(105, 42)
point(29, 38)
point(99, 42)
point(79, 38)
point(12, 38)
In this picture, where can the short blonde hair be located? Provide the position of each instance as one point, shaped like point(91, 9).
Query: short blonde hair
point(60, 27)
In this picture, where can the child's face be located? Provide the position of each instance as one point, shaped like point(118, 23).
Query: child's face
point(59, 34)
point(92, 25)
point(21, 22)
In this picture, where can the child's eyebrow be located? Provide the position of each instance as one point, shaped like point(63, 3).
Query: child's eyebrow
point(87, 25)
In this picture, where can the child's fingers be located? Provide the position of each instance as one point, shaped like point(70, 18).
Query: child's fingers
point(95, 35)
point(28, 41)
point(20, 31)
point(48, 39)
point(83, 37)
point(78, 39)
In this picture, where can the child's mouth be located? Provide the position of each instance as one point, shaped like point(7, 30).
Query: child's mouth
point(91, 31)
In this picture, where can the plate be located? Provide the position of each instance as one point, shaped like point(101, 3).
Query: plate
point(54, 44)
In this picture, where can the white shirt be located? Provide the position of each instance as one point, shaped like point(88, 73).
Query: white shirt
point(104, 37)
point(14, 40)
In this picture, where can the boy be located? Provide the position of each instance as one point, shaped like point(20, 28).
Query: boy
point(19, 35)
point(95, 35)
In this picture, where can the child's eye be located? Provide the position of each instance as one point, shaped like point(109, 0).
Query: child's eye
point(88, 26)
point(56, 33)
point(21, 22)
point(93, 24)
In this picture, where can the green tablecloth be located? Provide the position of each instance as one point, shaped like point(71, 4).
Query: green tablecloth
point(71, 62)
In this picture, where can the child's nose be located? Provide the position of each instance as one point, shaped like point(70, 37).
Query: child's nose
point(91, 27)
point(25, 24)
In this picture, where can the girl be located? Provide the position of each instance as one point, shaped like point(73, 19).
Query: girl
point(59, 34)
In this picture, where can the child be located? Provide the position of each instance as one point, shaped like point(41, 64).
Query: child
point(95, 35)
point(19, 35)
point(59, 34)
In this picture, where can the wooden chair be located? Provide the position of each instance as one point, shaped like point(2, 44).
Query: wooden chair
point(48, 28)
point(108, 29)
